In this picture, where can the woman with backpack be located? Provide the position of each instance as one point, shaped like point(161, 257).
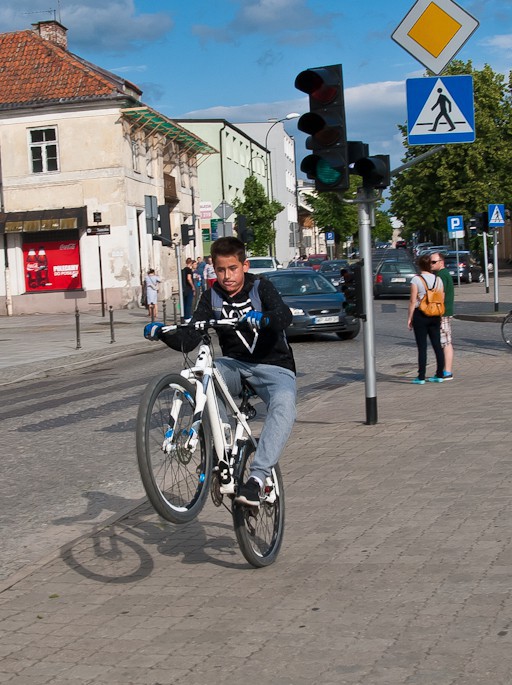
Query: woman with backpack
point(424, 318)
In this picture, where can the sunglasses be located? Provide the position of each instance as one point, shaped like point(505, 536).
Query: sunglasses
point(434, 261)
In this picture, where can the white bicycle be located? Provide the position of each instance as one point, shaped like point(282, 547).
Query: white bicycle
point(185, 450)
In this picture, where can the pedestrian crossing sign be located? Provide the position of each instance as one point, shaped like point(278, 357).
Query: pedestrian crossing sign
point(440, 110)
point(496, 215)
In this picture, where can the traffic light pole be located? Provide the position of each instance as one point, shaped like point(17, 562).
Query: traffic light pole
point(364, 200)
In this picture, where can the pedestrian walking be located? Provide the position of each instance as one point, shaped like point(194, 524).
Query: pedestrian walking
point(188, 289)
point(152, 282)
point(200, 270)
point(425, 326)
point(438, 267)
point(209, 273)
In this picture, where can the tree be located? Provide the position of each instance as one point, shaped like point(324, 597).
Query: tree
point(464, 178)
point(260, 213)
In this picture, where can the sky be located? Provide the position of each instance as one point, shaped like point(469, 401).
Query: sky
point(238, 59)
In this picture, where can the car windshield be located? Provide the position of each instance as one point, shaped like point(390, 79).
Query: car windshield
point(334, 266)
point(301, 284)
point(261, 263)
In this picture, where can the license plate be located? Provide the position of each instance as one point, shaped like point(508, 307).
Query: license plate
point(398, 280)
point(327, 319)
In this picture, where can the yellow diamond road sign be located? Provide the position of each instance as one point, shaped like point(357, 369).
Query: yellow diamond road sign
point(434, 31)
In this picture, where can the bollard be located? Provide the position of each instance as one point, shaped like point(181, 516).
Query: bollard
point(175, 316)
point(77, 323)
point(164, 311)
point(111, 315)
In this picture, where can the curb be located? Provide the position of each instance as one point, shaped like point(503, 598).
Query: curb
point(97, 358)
point(497, 317)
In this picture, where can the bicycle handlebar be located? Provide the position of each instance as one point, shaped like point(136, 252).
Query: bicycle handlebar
point(216, 324)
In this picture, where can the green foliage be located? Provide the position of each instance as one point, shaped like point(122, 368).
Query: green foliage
point(330, 213)
point(463, 178)
point(260, 214)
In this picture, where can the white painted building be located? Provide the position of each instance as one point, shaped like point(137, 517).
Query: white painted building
point(81, 155)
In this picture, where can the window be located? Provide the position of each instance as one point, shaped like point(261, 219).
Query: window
point(44, 150)
point(135, 154)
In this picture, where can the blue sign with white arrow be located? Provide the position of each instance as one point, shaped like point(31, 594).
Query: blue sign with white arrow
point(440, 110)
point(496, 215)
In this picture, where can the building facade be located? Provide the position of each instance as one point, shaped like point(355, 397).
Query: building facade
point(88, 175)
point(282, 183)
point(221, 177)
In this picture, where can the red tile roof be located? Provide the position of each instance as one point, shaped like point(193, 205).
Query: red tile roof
point(35, 71)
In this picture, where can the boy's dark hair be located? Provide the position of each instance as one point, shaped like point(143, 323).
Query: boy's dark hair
point(424, 263)
point(228, 246)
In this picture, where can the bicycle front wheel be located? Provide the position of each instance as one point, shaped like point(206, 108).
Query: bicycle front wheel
point(260, 531)
point(506, 329)
point(176, 478)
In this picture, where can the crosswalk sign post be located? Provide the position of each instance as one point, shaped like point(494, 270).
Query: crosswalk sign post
point(496, 214)
point(440, 110)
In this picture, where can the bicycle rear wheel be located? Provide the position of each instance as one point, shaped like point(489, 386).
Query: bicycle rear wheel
point(176, 478)
point(506, 329)
point(260, 531)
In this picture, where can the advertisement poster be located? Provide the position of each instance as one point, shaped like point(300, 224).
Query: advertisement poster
point(52, 265)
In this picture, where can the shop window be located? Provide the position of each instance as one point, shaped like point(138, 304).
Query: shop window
point(44, 153)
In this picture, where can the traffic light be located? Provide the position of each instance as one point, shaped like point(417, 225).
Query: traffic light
point(482, 221)
point(353, 291)
point(164, 222)
point(326, 128)
point(375, 171)
point(187, 234)
point(245, 232)
point(473, 228)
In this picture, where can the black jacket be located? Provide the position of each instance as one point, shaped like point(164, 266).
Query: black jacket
point(266, 346)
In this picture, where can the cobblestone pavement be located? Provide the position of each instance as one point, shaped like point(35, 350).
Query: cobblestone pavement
point(396, 565)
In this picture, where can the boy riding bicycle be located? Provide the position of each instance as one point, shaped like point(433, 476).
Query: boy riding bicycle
point(258, 351)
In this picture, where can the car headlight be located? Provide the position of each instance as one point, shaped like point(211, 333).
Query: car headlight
point(297, 312)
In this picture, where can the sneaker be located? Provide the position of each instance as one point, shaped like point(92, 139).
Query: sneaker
point(249, 493)
point(435, 379)
point(418, 381)
point(447, 376)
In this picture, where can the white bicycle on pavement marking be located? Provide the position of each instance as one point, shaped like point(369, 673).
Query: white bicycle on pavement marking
point(184, 451)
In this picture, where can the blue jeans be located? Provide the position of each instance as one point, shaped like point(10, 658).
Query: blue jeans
point(188, 299)
point(277, 388)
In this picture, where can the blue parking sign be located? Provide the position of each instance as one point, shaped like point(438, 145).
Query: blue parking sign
point(455, 226)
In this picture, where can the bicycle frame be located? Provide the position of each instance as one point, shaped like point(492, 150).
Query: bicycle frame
point(202, 374)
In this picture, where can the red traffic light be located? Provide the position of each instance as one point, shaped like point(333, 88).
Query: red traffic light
point(321, 84)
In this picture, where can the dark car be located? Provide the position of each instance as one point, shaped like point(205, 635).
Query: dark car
point(390, 256)
point(468, 268)
point(331, 269)
point(316, 305)
point(401, 244)
point(393, 278)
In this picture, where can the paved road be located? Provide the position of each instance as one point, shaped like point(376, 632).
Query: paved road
point(395, 569)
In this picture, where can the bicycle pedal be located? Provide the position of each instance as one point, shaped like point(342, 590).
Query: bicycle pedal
point(227, 488)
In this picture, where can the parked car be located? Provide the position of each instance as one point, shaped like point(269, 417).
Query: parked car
point(300, 264)
point(419, 247)
point(434, 248)
point(331, 269)
point(316, 305)
point(401, 244)
point(393, 278)
point(468, 267)
point(316, 260)
point(258, 265)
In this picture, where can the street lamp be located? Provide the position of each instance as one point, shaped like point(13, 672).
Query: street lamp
point(268, 167)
